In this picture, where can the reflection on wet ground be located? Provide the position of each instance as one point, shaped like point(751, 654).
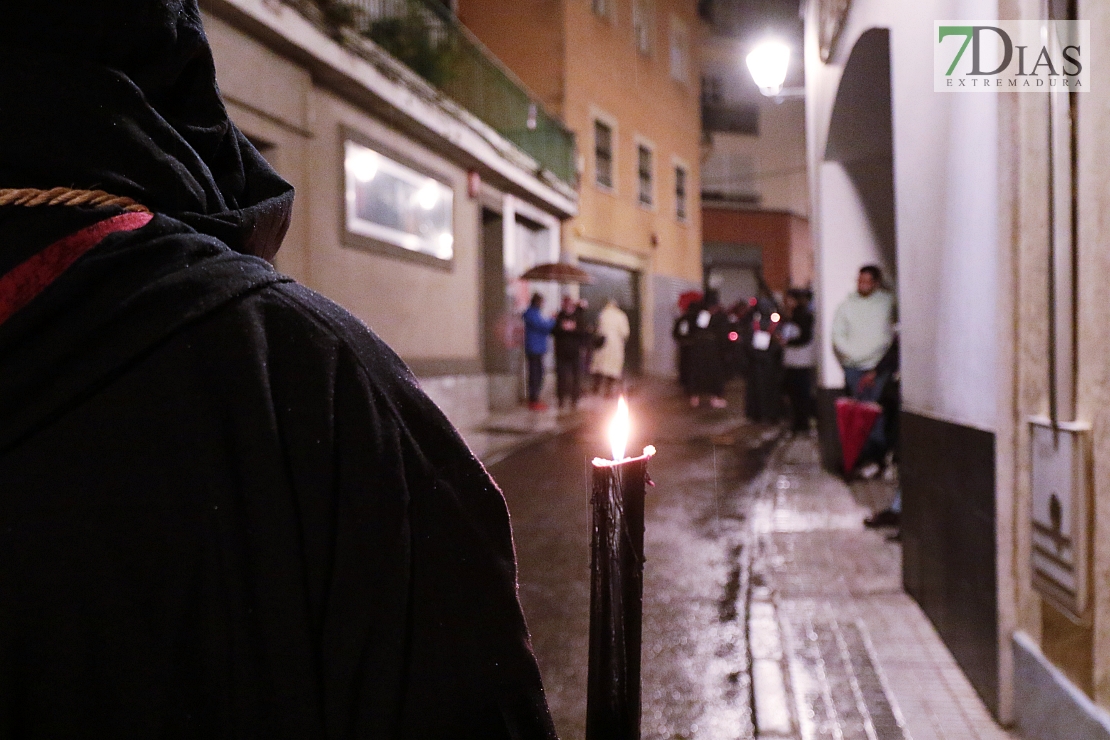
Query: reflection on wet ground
point(696, 681)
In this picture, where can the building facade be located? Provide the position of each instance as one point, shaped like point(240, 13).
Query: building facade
point(755, 199)
point(412, 212)
point(986, 212)
point(623, 75)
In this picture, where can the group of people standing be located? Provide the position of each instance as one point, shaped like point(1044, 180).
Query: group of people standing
point(579, 348)
point(771, 346)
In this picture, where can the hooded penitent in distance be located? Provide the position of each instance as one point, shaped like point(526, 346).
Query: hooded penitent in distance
point(226, 509)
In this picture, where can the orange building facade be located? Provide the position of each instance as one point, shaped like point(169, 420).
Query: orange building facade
point(624, 76)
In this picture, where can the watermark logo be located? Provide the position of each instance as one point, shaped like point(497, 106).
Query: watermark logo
point(1012, 56)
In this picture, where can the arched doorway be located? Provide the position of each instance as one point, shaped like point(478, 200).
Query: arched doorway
point(856, 217)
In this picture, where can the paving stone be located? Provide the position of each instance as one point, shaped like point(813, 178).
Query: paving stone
point(864, 661)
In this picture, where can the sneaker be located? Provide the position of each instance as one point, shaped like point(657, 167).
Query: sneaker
point(884, 518)
point(718, 403)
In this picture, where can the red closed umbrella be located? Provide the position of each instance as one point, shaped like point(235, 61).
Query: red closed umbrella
point(854, 420)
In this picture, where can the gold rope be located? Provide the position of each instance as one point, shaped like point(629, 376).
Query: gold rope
point(67, 197)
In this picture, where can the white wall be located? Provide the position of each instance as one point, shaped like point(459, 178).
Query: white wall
point(847, 241)
point(945, 182)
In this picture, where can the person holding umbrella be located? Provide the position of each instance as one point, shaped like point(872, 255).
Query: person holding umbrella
point(569, 331)
point(537, 328)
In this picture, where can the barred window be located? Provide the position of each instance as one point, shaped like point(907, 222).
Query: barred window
point(645, 170)
point(603, 154)
point(680, 192)
point(603, 8)
point(680, 51)
point(641, 25)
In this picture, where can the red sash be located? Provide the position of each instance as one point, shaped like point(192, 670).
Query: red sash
point(29, 278)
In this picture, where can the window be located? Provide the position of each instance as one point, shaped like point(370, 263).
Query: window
point(399, 206)
point(644, 169)
point(603, 154)
point(680, 50)
point(641, 25)
point(680, 192)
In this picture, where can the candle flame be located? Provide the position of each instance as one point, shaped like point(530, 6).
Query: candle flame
point(618, 430)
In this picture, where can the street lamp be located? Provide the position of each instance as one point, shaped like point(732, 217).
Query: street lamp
point(767, 63)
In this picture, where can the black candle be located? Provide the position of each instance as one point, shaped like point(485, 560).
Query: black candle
point(617, 589)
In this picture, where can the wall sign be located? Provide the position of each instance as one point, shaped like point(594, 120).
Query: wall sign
point(1061, 523)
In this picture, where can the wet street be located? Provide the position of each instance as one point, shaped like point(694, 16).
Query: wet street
point(770, 611)
point(695, 657)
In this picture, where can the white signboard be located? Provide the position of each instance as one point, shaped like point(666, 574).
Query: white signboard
point(1061, 506)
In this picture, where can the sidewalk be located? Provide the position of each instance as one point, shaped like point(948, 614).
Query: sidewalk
point(838, 649)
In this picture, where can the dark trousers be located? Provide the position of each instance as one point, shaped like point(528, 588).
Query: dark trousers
point(764, 390)
point(569, 384)
point(798, 384)
point(535, 376)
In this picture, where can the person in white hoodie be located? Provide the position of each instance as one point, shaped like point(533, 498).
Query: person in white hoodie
point(863, 331)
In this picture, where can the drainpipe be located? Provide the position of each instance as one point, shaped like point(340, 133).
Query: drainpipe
point(1063, 257)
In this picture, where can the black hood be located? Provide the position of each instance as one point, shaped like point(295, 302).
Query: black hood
point(121, 95)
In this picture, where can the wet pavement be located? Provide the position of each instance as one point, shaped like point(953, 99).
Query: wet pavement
point(857, 658)
point(696, 682)
point(769, 610)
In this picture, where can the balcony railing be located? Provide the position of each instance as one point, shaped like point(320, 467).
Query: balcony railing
point(429, 40)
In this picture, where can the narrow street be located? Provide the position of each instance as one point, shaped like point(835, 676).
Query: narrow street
point(695, 678)
point(769, 610)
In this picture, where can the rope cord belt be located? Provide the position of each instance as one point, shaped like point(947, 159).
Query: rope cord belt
point(31, 197)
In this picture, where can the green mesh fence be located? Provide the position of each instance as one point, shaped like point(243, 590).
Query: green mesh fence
point(427, 38)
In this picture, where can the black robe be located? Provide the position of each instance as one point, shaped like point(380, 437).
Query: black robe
point(226, 508)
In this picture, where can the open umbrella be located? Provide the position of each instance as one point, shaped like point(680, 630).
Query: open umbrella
point(559, 272)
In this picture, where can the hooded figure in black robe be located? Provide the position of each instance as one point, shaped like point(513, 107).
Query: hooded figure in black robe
point(226, 509)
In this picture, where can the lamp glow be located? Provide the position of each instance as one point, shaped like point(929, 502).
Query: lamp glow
point(363, 164)
point(428, 195)
point(767, 63)
point(619, 429)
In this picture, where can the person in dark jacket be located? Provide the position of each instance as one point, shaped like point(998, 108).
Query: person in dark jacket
point(537, 328)
point(569, 333)
point(763, 397)
point(799, 359)
point(681, 333)
point(708, 336)
point(681, 330)
point(228, 510)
